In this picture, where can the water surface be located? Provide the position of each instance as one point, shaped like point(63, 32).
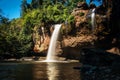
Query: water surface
point(39, 71)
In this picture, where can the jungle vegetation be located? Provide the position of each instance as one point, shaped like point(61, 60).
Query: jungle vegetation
point(16, 34)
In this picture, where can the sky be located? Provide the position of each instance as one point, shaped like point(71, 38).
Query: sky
point(11, 8)
point(96, 2)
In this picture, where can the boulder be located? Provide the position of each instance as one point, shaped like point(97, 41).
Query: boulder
point(98, 57)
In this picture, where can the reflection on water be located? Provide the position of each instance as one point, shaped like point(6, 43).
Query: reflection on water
point(53, 71)
point(15, 71)
point(39, 71)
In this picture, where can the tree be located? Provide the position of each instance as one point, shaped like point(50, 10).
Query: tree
point(36, 4)
point(24, 7)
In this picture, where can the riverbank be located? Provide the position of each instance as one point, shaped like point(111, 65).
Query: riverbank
point(37, 59)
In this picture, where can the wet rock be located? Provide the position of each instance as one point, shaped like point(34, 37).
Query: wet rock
point(81, 41)
point(70, 53)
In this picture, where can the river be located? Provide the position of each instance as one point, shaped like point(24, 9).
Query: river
point(39, 71)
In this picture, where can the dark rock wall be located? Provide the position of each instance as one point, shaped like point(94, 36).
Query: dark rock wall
point(114, 23)
point(111, 9)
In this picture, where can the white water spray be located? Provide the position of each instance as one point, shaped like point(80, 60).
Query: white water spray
point(52, 46)
point(93, 19)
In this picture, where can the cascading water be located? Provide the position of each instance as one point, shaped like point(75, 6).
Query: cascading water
point(93, 19)
point(52, 46)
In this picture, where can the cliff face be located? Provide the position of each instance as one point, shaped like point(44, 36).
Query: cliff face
point(115, 17)
point(104, 36)
point(112, 10)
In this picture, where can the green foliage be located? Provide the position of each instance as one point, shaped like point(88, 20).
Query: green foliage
point(23, 7)
point(81, 14)
point(56, 13)
point(13, 40)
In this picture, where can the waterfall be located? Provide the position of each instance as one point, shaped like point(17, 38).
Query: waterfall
point(43, 31)
point(52, 46)
point(93, 19)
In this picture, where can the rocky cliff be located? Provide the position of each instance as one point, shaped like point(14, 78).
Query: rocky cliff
point(105, 35)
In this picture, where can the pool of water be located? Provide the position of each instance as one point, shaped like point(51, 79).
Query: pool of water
point(39, 71)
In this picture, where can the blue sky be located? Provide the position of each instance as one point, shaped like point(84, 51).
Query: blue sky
point(11, 8)
point(96, 2)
